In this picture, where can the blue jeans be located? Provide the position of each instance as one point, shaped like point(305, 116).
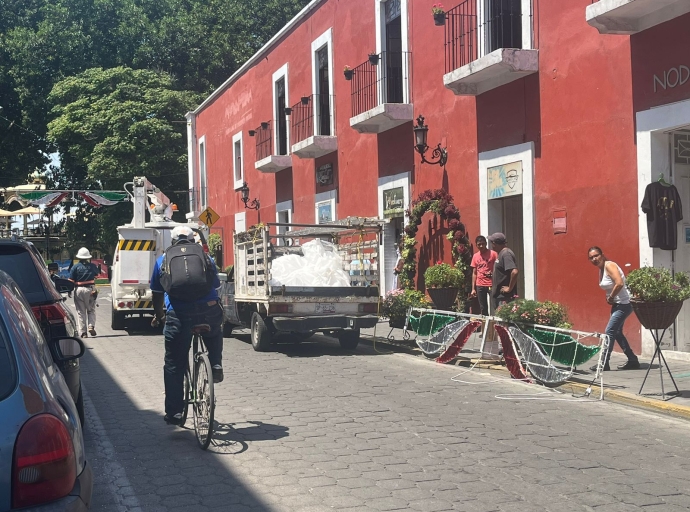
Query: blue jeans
point(614, 330)
point(178, 340)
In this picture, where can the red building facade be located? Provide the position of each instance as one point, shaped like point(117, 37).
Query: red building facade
point(555, 116)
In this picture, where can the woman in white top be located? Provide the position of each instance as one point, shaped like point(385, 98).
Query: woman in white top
point(612, 281)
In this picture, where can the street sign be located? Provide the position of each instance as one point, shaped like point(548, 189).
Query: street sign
point(209, 216)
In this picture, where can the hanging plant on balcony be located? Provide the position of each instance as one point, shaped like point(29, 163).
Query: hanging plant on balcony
point(439, 14)
point(348, 72)
point(439, 202)
point(374, 59)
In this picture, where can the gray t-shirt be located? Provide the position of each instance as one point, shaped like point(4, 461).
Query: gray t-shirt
point(502, 268)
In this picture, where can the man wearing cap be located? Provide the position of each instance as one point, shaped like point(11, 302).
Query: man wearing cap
point(504, 281)
point(179, 317)
point(85, 294)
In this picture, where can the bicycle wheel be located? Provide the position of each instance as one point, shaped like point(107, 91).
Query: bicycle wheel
point(187, 396)
point(203, 403)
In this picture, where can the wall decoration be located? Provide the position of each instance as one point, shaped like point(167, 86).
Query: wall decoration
point(324, 175)
point(325, 212)
point(393, 202)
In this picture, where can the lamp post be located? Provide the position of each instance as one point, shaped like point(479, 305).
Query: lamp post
point(439, 155)
point(254, 204)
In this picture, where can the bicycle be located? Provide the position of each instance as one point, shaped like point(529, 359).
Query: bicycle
point(200, 393)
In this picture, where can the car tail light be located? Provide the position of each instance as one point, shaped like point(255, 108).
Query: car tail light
point(371, 307)
point(52, 313)
point(44, 467)
point(279, 308)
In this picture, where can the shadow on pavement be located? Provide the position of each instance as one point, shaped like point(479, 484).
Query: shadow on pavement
point(139, 461)
point(316, 346)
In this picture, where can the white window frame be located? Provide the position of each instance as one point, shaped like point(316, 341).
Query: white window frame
point(285, 206)
point(324, 39)
point(235, 139)
point(203, 176)
point(483, 35)
point(503, 156)
point(281, 73)
point(323, 198)
point(380, 15)
point(241, 217)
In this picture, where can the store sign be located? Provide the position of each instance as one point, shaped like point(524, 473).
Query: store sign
point(393, 202)
point(504, 180)
point(672, 78)
point(325, 212)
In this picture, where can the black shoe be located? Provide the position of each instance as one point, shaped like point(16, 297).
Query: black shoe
point(632, 364)
point(596, 367)
point(217, 371)
point(175, 419)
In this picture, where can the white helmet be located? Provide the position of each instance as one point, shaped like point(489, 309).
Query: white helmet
point(83, 254)
point(182, 232)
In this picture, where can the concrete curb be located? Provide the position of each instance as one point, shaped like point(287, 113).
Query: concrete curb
point(575, 386)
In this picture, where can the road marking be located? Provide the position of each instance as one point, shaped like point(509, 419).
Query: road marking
point(108, 455)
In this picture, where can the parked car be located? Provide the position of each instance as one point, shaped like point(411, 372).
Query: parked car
point(26, 266)
point(42, 461)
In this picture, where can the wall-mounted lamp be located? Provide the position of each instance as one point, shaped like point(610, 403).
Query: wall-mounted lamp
point(254, 204)
point(252, 133)
point(439, 154)
point(288, 111)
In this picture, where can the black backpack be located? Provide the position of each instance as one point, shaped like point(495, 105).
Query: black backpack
point(186, 272)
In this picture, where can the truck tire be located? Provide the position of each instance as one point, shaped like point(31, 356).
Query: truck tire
point(349, 339)
point(227, 330)
point(261, 336)
point(117, 320)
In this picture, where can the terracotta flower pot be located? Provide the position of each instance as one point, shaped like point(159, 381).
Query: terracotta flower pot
point(443, 298)
point(656, 315)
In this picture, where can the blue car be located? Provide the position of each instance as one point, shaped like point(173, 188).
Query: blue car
point(42, 460)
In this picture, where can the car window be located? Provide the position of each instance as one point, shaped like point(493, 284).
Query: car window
point(8, 375)
point(17, 262)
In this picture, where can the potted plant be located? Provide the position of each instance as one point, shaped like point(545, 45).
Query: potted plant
point(374, 59)
point(397, 303)
point(348, 73)
point(443, 282)
point(657, 295)
point(439, 14)
point(524, 311)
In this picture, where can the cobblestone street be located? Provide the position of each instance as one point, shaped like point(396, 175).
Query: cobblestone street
point(309, 427)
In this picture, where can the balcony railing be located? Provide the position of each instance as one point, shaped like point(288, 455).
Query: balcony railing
point(264, 141)
point(385, 82)
point(312, 116)
point(466, 39)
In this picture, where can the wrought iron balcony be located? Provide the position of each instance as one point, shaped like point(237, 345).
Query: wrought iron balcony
point(313, 125)
point(381, 93)
point(485, 51)
point(266, 161)
point(632, 16)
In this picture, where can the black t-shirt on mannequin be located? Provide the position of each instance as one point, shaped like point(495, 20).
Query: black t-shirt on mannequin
point(662, 205)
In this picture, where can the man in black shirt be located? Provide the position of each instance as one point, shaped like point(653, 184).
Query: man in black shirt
point(504, 282)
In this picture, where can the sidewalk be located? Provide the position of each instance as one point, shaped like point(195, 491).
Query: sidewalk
point(620, 386)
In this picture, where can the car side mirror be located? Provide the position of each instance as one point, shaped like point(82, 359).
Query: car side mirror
point(69, 349)
point(222, 277)
point(63, 285)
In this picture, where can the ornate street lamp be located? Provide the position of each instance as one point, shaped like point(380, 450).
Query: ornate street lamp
point(254, 204)
point(439, 155)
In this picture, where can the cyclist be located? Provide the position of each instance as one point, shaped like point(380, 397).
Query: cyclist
point(180, 317)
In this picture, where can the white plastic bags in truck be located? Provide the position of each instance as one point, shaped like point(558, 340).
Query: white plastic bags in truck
point(321, 265)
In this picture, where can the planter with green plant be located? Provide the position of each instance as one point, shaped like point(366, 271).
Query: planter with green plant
point(439, 14)
point(397, 303)
point(657, 295)
point(443, 281)
point(524, 312)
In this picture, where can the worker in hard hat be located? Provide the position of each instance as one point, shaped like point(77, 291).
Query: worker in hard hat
point(83, 274)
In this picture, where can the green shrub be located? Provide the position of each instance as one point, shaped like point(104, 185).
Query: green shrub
point(651, 284)
point(523, 311)
point(443, 275)
point(397, 302)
